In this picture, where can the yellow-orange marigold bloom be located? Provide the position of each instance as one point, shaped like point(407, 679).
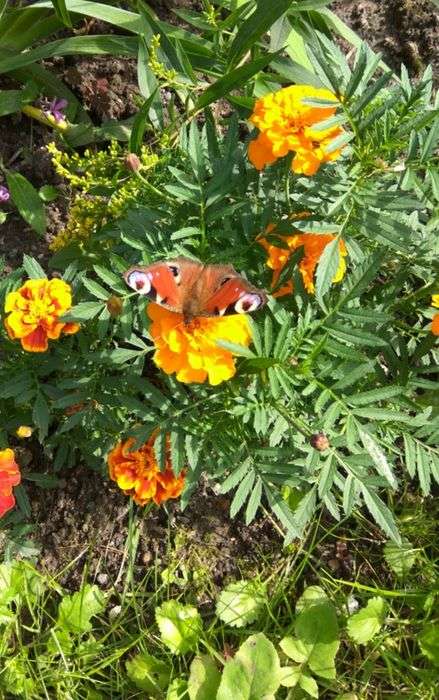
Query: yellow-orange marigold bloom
point(138, 474)
point(34, 311)
point(313, 244)
point(24, 431)
point(190, 349)
point(9, 477)
point(286, 124)
point(435, 319)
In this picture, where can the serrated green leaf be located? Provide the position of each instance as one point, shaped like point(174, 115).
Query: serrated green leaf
point(240, 603)
point(96, 289)
point(33, 268)
point(428, 640)
point(295, 649)
point(148, 673)
point(317, 628)
point(75, 611)
point(242, 493)
point(400, 558)
point(253, 502)
point(381, 513)
point(83, 311)
point(253, 673)
point(366, 623)
point(204, 679)
point(327, 268)
point(180, 626)
point(373, 395)
point(309, 685)
point(410, 455)
point(382, 465)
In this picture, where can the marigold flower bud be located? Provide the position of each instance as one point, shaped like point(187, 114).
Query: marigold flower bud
point(114, 305)
point(319, 441)
point(132, 162)
point(24, 431)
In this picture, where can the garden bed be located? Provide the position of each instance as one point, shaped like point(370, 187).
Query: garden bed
point(77, 526)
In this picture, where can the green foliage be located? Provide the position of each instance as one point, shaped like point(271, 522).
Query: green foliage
point(400, 558)
point(365, 624)
point(253, 673)
point(75, 612)
point(180, 626)
point(240, 603)
point(355, 361)
point(148, 673)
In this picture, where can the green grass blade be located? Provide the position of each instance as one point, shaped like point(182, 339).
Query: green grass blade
point(255, 26)
point(91, 45)
point(235, 78)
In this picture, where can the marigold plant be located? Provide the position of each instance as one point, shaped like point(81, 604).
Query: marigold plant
point(138, 474)
point(313, 246)
point(286, 124)
point(34, 312)
point(9, 477)
point(190, 350)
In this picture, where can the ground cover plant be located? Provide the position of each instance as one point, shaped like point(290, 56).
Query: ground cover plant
point(257, 144)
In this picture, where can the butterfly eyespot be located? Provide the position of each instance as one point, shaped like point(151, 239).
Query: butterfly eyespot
point(175, 270)
point(248, 303)
point(224, 280)
point(139, 281)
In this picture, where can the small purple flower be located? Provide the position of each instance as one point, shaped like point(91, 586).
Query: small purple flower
point(4, 194)
point(55, 108)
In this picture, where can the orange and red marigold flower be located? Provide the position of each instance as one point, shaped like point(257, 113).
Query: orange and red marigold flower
point(313, 245)
point(9, 477)
point(191, 349)
point(435, 320)
point(137, 473)
point(286, 124)
point(34, 312)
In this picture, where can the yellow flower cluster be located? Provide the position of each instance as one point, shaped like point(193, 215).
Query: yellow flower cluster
point(191, 350)
point(86, 215)
point(313, 244)
point(106, 168)
point(158, 68)
point(102, 168)
point(287, 124)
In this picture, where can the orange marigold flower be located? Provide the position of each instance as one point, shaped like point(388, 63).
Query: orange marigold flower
point(313, 244)
point(435, 319)
point(9, 477)
point(286, 124)
point(34, 311)
point(190, 349)
point(137, 473)
point(24, 431)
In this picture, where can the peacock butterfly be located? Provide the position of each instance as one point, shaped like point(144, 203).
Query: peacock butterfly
point(190, 288)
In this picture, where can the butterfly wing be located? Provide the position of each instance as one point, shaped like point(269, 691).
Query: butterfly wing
point(166, 283)
point(232, 294)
